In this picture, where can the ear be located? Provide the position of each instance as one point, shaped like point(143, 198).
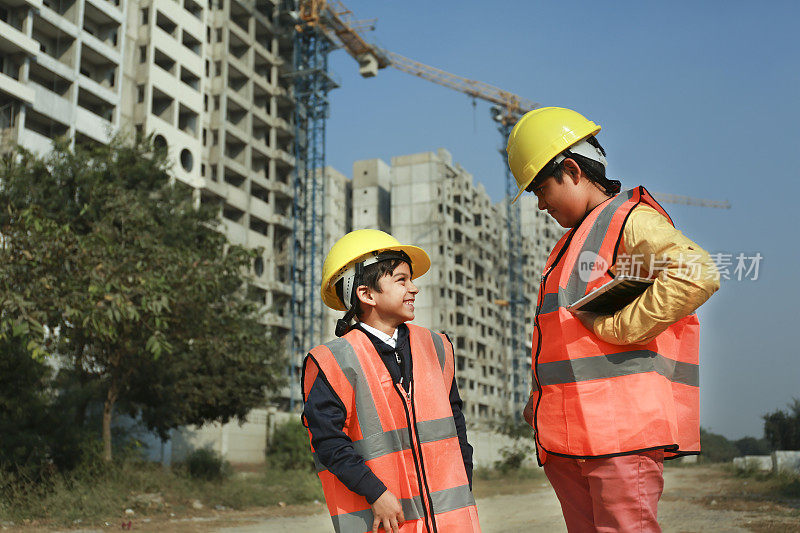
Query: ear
point(572, 170)
point(364, 295)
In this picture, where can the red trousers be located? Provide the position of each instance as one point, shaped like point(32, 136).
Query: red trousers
point(616, 494)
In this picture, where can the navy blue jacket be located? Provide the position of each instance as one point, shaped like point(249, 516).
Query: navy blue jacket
point(324, 414)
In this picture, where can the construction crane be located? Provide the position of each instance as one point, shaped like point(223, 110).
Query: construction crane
point(337, 23)
point(311, 82)
point(330, 21)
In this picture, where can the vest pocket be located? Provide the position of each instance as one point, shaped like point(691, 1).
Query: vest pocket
point(591, 426)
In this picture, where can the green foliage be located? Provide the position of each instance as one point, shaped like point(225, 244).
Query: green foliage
point(716, 448)
point(782, 484)
point(288, 447)
point(107, 262)
point(208, 465)
point(513, 457)
point(782, 428)
point(23, 410)
point(788, 485)
point(752, 446)
point(37, 435)
point(522, 447)
point(96, 492)
point(515, 427)
point(34, 254)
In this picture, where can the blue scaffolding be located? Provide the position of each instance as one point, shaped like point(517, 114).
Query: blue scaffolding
point(311, 84)
point(517, 302)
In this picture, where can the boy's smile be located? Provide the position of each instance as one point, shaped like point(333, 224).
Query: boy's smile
point(394, 304)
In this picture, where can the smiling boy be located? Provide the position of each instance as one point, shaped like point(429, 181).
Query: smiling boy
point(381, 402)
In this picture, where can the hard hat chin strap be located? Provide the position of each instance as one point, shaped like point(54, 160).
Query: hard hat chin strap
point(589, 148)
point(352, 278)
point(351, 283)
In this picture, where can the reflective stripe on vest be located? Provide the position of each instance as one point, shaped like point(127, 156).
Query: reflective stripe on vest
point(443, 500)
point(598, 399)
point(615, 365)
point(397, 440)
point(376, 423)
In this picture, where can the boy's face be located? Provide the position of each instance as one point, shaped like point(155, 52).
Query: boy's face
point(562, 201)
point(395, 303)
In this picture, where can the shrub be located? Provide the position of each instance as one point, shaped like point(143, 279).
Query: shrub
point(207, 465)
point(789, 485)
point(521, 447)
point(513, 457)
point(288, 447)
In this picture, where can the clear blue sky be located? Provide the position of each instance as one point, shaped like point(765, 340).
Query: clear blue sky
point(695, 98)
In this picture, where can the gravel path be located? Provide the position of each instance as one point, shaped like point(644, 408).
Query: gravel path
point(696, 499)
point(540, 511)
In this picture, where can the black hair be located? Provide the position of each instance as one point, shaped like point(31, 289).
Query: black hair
point(594, 170)
point(369, 277)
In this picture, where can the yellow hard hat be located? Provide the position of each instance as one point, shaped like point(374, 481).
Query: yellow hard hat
point(361, 245)
point(539, 136)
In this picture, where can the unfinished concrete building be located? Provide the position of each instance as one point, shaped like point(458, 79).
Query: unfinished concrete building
point(60, 70)
point(248, 136)
point(207, 87)
point(210, 82)
point(427, 200)
point(205, 79)
point(337, 221)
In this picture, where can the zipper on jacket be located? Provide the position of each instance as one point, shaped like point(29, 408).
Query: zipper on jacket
point(539, 340)
point(422, 463)
point(405, 397)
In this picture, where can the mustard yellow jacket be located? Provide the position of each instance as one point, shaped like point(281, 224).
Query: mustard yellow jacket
point(685, 277)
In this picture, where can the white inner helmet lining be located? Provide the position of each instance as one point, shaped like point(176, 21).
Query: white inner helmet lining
point(349, 278)
point(586, 150)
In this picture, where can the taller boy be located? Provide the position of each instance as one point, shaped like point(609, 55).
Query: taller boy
point(612, 395)
point(381, 403)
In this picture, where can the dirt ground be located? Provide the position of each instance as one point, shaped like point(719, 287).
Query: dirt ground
point(696, 499)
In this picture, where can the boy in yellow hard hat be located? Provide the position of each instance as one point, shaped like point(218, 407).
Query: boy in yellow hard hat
point(613, 394)
point(381, 402)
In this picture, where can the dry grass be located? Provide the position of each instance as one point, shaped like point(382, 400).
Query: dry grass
point(773, 501)
point(83, 500)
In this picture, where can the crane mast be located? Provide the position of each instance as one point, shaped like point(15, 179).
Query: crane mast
point(310, 82)
point(320, 24)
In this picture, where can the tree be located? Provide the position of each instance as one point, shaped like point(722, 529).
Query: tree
point(522, 444)
point(33, 251)
point(716, 448)
point(752, 446)
point(220, 362)
point(149, 302)
point(782, 428)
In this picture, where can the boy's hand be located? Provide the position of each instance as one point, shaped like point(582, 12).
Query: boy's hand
point(527, 413)
point(586, 318)
point(388, 513)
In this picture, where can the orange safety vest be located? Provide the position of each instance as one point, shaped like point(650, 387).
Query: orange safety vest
point(593, 398)
point(408, 439)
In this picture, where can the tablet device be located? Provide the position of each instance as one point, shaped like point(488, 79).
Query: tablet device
point(612, 296)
